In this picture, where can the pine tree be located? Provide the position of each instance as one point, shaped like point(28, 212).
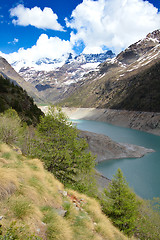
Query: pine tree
point(121, 205)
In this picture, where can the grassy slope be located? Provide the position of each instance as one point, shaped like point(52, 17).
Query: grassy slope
point(32, 196)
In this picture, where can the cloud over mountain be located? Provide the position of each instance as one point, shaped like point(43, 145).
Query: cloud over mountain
point(112, 23)
point(45, 47)
point(94, 26)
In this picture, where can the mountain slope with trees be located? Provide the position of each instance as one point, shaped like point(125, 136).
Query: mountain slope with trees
point(36, 206)
point(7, 71)
point(13, 96)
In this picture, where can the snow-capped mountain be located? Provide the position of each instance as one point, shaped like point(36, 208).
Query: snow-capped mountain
point(91, 58)
point(129, 81)
point(54, 77)
point(42, 64)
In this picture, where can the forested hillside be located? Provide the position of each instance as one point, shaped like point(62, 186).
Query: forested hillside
point(13, 96)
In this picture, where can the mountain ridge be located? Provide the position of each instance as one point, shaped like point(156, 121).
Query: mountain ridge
point(60, 82)
point(121, 83)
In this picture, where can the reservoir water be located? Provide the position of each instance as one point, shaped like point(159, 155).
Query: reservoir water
point(142, 174)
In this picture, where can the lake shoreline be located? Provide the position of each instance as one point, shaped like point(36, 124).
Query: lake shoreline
point(115, 116)
point(143, 121)
point(101, 145)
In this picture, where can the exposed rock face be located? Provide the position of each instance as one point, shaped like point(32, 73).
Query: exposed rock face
point(105, 148)
point(140, 48)
point(144, 121)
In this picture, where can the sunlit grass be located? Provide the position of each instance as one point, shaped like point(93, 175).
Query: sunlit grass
point(33, 198)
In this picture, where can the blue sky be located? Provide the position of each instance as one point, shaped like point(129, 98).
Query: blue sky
point(33, 29)
point(27, 36)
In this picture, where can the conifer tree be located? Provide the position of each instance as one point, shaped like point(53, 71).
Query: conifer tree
point(121, 205)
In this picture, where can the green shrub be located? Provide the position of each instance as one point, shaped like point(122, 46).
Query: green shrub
point(148, 221)
point(10, 127)
point(14, 232)
point(21, 207)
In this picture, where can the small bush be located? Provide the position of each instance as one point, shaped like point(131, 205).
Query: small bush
point(148, 222)
point(57, 227)
point(14, 232)
point(6, 155)
point(10, 127)
point(21, 207)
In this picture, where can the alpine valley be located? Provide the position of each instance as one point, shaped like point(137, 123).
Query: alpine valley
point(127, 81)
point(56, 79)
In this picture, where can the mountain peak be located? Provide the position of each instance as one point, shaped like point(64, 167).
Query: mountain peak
point(154, 35)
point(140, 48)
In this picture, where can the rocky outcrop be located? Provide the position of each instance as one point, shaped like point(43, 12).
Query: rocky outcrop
point(105, 148)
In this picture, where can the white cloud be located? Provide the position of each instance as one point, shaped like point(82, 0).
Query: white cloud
point(45, 19)
point(14, 41)
point(53, 48)
point(112, 23)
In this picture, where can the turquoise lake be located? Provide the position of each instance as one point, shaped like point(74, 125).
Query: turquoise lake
point(142, 174)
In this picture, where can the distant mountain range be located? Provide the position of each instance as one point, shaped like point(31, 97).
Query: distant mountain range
point(130, 80)
point(55, 83)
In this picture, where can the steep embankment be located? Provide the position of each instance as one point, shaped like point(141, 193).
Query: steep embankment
point(39, 204)
point(144, 121)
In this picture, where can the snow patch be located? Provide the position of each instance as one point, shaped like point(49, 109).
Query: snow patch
point(90, 65)
point(69, 82)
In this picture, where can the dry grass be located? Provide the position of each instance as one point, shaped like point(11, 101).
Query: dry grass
point(32, 196)
point(8, 183)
